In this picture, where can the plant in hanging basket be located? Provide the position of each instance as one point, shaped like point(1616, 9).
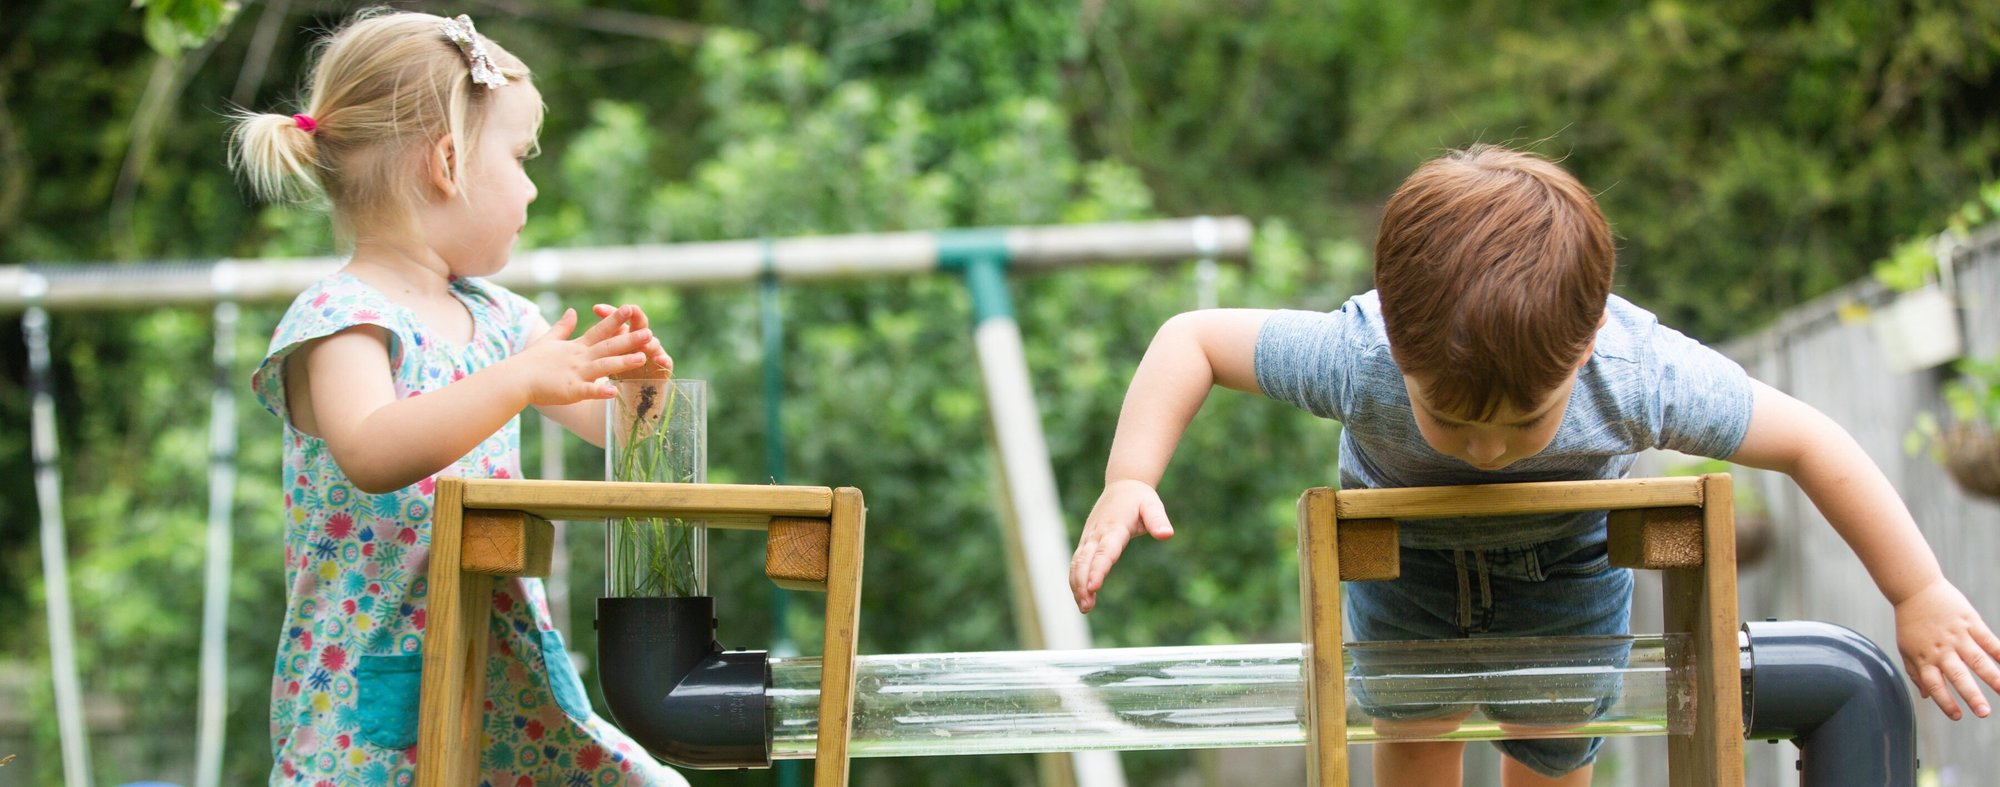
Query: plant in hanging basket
point(1968, 447)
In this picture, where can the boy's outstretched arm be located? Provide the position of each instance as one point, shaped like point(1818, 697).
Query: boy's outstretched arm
point(1943, 641)
point(1192, 353)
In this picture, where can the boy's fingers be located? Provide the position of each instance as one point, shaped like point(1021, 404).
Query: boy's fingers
point(1962, 679)
point(1935, 688)
point(1153, 515)
point(1981, 664)
point(1100, 563)
point(1986, 640)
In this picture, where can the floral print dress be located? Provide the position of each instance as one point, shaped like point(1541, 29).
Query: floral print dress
point(348, 673)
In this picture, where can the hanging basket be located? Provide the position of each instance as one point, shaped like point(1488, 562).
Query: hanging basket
point(1972, 457)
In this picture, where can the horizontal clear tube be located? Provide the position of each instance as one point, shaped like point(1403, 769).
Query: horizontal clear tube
point(1239, 696)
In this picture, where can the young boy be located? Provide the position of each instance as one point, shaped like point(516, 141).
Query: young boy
point(1492, 351)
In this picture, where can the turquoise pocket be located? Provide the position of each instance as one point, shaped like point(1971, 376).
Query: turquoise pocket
point(563, 680)
point(389, 687)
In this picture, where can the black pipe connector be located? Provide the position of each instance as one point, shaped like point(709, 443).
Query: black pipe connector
point(678, 693)
point(1837, 696)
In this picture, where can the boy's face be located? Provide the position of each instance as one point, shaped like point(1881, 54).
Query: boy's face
point(1507, 437)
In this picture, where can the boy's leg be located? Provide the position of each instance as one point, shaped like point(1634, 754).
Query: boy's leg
point(1514, 774)
point(1440, 763)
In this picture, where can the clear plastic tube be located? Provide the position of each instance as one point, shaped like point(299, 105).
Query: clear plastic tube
point(656, 430)
point(1240, 696)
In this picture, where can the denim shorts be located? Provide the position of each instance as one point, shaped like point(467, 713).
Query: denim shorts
point(1562, 587)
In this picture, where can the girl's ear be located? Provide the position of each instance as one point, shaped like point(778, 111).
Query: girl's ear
point(439, 166)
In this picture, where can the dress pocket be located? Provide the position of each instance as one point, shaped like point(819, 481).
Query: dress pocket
point(563, 680)
point(389, 688)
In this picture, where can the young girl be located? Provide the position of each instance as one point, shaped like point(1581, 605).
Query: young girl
point(404, 366)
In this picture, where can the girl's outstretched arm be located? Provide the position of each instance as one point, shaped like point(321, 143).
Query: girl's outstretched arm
point(383, 443)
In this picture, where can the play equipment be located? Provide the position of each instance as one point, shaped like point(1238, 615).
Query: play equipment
point(1829, 690)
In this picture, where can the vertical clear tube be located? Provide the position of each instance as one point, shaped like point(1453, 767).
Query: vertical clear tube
point(1240, 696)
point(657, 431)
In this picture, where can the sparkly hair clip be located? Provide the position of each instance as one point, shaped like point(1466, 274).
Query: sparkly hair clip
point(459, 31)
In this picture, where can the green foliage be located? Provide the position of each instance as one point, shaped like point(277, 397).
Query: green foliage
point(1913, 263)
point(1974, 397)
point(173, 26)
point(1750, 155)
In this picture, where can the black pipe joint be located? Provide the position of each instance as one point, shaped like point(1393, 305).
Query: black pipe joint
point(1837, 696)
point(678, 693)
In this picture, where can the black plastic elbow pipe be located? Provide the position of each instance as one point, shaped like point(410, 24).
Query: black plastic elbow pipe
point(675, 691)
point(1837, 696)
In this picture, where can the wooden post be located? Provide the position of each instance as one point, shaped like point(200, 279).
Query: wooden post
point(1701, 601)
point(452, 711)
point(485, 528)
point(843, 621)
point(1325, 677)
point(1685, 526)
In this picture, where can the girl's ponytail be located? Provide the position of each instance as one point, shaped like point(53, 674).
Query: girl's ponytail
point(277, 154)
point(384, 88)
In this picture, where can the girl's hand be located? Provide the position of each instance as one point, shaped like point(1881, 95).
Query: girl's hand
point(560, 370)
point(1945, 645)
point(634, 319)
point(1126, 509)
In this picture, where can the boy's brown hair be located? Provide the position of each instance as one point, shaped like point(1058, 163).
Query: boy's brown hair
point(1493, 267)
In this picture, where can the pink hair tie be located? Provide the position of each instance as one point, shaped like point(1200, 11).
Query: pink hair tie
point(305, 123)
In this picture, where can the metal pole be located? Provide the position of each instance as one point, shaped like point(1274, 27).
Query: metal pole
point(789, 774)
point(214, 708)
point(153, 285)
point(55, 552)
point(1035, 536)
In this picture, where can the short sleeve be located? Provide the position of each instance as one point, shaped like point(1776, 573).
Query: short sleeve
point(322, 310)
point(1704, 397)
point(514, 313)
point(1299, 359)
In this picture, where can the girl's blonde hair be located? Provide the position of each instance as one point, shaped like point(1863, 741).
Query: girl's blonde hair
point(384, 88)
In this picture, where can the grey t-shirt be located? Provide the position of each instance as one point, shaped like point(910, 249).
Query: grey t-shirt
point(1645, 386)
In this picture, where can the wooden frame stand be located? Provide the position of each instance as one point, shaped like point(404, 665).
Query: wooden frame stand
point(1682, 526)
point(487, 528)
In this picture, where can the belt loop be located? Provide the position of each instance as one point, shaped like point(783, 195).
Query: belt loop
point(1485, 582)
point(1464, 591)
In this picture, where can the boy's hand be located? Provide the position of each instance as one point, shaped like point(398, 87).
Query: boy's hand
point(1944, 645)
point(1126, 509)
point(561, 370)
point(632, 318)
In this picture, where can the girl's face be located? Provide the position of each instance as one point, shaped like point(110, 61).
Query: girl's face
point(1507, 437)
point(480, 225)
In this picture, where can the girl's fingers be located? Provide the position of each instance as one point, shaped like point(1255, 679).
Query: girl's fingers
point(610, 325)
point(638, 316)
point(639, 342)
point(605, 367)
point(561, 328)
